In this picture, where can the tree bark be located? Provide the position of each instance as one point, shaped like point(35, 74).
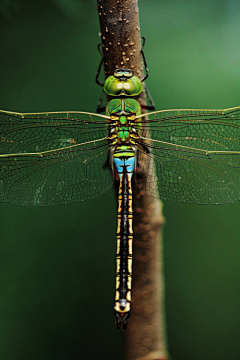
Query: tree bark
point(145, 336)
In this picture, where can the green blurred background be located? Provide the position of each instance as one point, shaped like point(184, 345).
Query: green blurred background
point(57, 264)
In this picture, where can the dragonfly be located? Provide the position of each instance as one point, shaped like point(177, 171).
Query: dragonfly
point(184, 155)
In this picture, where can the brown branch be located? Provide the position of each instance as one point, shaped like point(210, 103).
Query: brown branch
point(145, 336)
point(120, 32)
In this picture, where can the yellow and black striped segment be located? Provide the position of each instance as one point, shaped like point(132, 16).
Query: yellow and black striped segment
point(124, 161)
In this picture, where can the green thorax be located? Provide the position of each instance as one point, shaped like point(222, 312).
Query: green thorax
point(123, 112)
point(122, 106)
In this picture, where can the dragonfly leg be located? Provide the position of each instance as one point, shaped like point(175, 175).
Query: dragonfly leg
point(99, 67)
point(100, 108)
point(150, 100)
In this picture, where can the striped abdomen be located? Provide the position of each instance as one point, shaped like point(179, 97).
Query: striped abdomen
point(124, 162)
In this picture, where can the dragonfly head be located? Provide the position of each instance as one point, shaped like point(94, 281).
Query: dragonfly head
point(122, 83)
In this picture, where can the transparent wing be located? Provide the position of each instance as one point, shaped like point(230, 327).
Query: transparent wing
point(53, 158)
point(195, 155)
point(29, 133)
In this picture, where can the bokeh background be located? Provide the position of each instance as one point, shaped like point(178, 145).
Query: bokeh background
point(57, 264)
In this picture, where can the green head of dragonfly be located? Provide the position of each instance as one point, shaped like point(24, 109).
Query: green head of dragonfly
point(122, 83)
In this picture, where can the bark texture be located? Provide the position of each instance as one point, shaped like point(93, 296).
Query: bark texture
point(145, 335)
